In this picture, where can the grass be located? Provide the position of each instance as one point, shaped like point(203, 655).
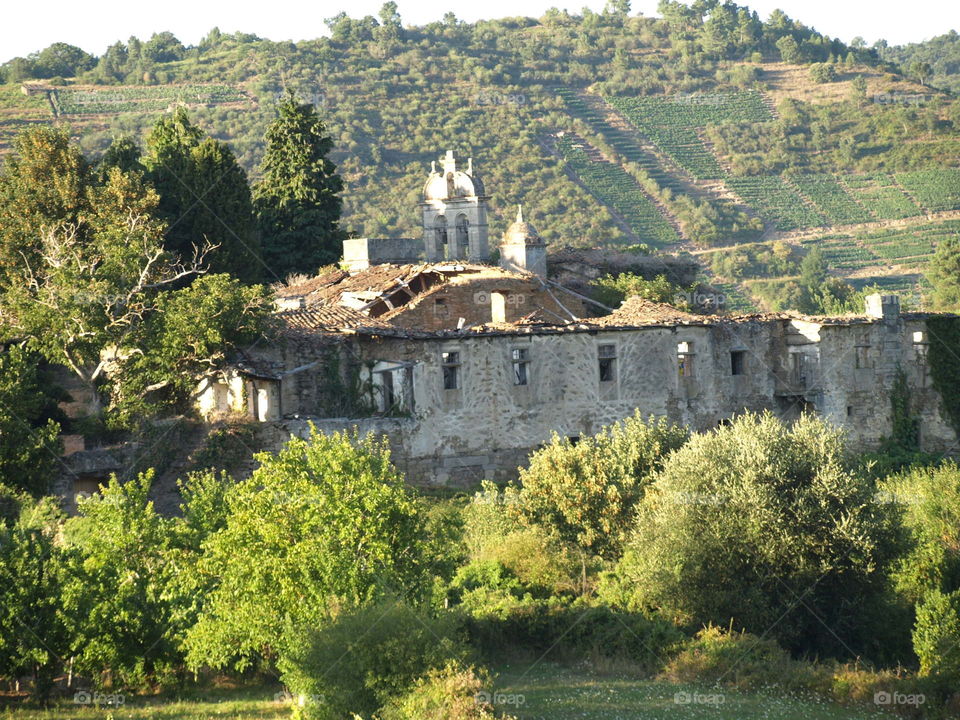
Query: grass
point(255, 703)
point(544, 692)
point(551, 692)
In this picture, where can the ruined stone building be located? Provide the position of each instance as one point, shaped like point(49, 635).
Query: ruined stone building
point(467, 367)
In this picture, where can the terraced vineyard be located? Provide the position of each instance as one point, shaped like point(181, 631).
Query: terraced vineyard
point(909, 287)
point(881, 196)
point(113, 100)
point(611, 185)
point(775, 200)
point(831, 199)
point(672, 123)
point(623, 142)
point(937, 190)
point(910, 246)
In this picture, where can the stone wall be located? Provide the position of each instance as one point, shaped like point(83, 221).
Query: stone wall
point(487, 426)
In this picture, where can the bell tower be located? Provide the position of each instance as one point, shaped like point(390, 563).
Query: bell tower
point(454, 212)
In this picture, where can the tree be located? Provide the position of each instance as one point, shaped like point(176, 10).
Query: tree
point(920, 70)
point(29, 442)
point(114, 596)
point(62, 60)
point(190, 331)
point(763, 526)
point(91, 291)
point(823, 72)
point(204, 197)
point(163, 47)
point(613, 290)
point(33, 637)
point(297, 199)
point(858, 89)
point(325, 524)
point(585, 495)
point(42, 188)
point(391, 26)
point(123, 153)
point(936, 636)
point(789, 50)
point(943, 273)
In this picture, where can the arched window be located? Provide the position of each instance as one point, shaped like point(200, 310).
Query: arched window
point(463, 237)
point(440, 235)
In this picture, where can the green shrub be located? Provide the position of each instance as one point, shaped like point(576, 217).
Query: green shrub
point(735, 659)
point(574, 631)
point(936, 635)
point(584, 495)
point(493, 535)
point(744, 521)
point(368, 656)
point(226, 447)
point(453, 692)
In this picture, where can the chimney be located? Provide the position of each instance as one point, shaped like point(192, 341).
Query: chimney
point(883, 307)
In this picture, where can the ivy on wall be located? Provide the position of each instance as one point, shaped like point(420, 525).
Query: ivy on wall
point(944, 359)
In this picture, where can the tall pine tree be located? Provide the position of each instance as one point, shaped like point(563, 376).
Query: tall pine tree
point(297, 199)
point(204, 197)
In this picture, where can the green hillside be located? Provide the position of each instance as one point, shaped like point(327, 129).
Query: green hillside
point(704, 128)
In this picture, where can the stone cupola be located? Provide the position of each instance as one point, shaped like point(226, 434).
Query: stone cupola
point(522, 249)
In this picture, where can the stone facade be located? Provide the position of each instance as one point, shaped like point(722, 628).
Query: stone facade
point(457, 408)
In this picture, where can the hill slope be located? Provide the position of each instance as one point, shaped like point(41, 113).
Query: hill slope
point(688, 132)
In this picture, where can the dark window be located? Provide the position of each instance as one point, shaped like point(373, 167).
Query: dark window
point(607, 359)
point(388, 397)
point(738, 362)
point(574, 439)
point(849, 410)
point(799, 367)
point(521, 362)
point(451, 370)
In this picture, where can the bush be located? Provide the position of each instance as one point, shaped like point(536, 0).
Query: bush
point(823, 72)
point(735, 659)
point(576, 631)
point(368, 656)
point(745, 521)
point(585, 495)
point(493, 535)
point(325, 523)
point(936, 636)
point(451, 693)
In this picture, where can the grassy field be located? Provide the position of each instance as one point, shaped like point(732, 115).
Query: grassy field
point(241, 704)
point(543, 691)
point(550, 692)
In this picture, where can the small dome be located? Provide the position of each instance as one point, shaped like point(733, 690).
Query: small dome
point(521, 232)
point(449, 182)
